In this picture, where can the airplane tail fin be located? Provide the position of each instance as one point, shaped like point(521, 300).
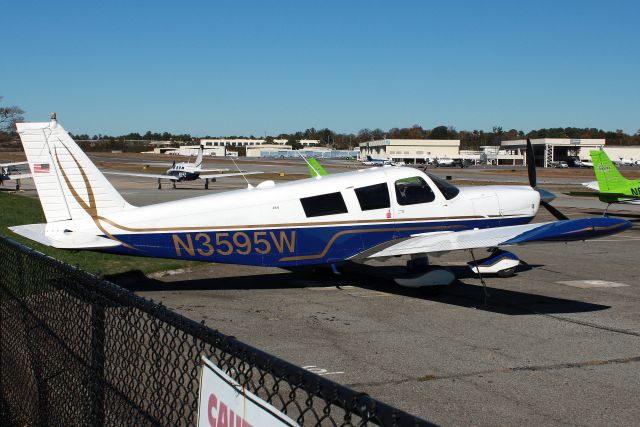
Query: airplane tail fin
point(70, 186)
point(198, 163)
point(608, 176)
point(315, 168)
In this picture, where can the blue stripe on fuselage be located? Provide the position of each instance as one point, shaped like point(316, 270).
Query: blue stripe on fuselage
point(282, 247)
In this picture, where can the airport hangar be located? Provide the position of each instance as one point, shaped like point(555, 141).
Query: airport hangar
point(410, 150)
point(557, 149)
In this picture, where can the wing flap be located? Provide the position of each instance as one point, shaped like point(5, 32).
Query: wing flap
point(564, 231)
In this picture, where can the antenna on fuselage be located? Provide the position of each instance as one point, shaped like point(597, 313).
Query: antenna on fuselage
point(318, 176)
point(241, 173)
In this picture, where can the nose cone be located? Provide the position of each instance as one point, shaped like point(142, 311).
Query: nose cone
point(518, 201)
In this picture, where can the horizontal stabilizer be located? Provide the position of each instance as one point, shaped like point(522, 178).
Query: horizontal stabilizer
point(568, 230)
point(17, 176)
point(6, 165)
point(65, 239)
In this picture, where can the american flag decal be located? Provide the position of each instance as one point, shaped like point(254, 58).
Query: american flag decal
point(41, 168)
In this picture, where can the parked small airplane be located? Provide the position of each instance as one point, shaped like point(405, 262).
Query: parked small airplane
point(186, 171)
point(612, 187)
point(625, 162)
point(6, 173)
point(375, 162)
point(454, 163)
point(378, 212)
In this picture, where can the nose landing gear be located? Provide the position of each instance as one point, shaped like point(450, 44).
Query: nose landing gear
point(501, 263)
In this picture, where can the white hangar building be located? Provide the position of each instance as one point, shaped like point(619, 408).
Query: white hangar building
point(410, 150)
point(549, 150)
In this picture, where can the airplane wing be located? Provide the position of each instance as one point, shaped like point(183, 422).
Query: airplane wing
point(144, 175)
point(213, 170)
point(563, 231)
point(592, 185)
point(226, 175)
point(18, 176)
point(6, 165)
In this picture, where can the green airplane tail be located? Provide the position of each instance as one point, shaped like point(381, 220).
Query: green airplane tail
point(315, 169)
point(608, 176)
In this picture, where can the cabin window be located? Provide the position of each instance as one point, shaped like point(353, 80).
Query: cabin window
point(448, 191)
point(373, 197)
point(325, 204)
point(414, 190)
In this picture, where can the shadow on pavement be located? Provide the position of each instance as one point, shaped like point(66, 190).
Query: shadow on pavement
point(503, 301)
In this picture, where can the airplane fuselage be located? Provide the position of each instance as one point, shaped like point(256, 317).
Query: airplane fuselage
point(183, 175)
point(313, 221)
point(184, 172)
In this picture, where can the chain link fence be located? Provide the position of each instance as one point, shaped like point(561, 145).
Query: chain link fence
point(78, 350)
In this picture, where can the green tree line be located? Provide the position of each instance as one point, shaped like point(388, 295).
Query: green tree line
point(469, 139)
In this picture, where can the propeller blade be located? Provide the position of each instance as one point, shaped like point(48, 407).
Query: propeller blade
point(545, 196)
point(553, 211)
point(531, 164)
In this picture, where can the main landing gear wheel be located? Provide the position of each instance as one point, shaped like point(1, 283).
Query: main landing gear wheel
point(431, 280)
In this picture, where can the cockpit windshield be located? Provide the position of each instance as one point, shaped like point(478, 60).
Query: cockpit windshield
point(449, 191)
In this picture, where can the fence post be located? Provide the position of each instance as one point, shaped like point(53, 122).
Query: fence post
point(97, 363)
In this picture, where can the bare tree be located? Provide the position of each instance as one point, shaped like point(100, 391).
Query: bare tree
point(9, 116)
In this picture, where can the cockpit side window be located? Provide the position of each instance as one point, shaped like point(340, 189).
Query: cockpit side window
point(373, 197)
point(324, 204)
point(412, 191)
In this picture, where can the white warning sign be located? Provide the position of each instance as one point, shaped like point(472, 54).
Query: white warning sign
point(224, 403)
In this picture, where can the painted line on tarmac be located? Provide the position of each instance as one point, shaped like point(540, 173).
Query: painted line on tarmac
point(321, 371)
point(614, 240)
point(515, 369)
point(591, 284)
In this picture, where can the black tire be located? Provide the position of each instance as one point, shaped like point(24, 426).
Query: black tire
point(507, 272)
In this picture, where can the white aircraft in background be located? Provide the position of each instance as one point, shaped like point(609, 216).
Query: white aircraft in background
point(186, 171)
point(6, 173)
point(624, 162)
point(375, 162)
point(378, 212)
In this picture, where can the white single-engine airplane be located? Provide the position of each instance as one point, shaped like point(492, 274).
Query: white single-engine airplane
point(7, 175)
point(376, 212)
point(186, 171)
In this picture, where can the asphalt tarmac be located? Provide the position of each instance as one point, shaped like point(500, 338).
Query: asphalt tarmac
point(557, 344)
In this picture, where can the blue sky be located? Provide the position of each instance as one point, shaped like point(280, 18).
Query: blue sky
point(250, 67)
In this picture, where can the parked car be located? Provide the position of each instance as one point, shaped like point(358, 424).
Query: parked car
point(559, 164)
